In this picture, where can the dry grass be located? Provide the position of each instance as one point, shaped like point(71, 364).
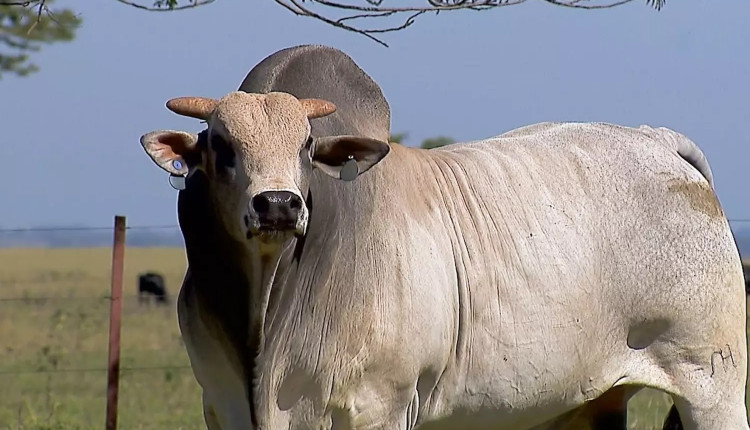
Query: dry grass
point(61, 322)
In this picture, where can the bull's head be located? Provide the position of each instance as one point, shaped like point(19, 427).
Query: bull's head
point(258, 157)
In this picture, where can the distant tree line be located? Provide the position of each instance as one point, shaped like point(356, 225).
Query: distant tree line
point(51, 238)
point(432, 142)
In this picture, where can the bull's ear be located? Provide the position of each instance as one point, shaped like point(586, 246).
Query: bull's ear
point(171, 150)
point(347, 157)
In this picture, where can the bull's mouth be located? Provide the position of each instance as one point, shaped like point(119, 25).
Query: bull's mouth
point(274, 233)
point(271, 236)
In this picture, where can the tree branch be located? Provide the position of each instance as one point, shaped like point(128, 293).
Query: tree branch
point(575, 4)
point(349, 14)
point(299, 10)
point(42, 7)
point(170, 6)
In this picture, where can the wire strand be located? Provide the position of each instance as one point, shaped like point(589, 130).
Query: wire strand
point(163, 227)
point(48, 229)
point(58, 298)
point(93, 369)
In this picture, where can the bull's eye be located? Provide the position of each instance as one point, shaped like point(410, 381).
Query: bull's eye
point(224, 152)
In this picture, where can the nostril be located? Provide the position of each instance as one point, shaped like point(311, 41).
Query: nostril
point(261, 204)
point(295, 203)
point(247, 221)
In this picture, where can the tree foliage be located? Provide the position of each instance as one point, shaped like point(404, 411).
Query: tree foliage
point(436, 142)
point(429, 143)
point(398, 137)
point(25, 26)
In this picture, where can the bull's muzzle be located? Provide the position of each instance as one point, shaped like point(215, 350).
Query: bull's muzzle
point(276, 212)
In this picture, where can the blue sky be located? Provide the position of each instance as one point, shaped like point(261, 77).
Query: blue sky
point(70, 132)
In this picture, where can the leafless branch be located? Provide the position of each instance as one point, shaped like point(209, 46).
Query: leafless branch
point(575, 4)
point(299, 10)
point(366, 15)
point(351, 14)
point(190, 5)
point(52, 16)
point(348, 14)
point(375, 10)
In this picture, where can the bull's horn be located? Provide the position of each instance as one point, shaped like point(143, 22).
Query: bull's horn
point(317, 108)
point(194, 107)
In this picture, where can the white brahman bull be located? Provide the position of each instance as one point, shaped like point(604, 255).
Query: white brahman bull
point(337, 281)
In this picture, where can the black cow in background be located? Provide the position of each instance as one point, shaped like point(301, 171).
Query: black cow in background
point(151, 283)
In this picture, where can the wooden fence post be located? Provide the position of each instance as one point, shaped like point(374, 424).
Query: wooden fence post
point(115, 321)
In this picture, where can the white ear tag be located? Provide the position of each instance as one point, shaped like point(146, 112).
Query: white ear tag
point(350, 170)
point(177, 182)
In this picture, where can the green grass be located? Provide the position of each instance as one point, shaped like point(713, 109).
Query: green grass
point(61, 322)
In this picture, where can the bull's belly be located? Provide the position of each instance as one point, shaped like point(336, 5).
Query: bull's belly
point(532, 407)
point(496, 420)
point(531, 413)
point(516, 381)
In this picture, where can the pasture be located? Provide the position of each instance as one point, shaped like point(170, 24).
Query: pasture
point(53, 345)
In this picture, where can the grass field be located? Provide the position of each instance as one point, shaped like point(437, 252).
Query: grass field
point(53, 345)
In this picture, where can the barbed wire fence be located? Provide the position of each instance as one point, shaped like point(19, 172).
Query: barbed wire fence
point(36, 299)
point(54, 308)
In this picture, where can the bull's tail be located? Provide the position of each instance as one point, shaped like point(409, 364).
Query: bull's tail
point(686, 148)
